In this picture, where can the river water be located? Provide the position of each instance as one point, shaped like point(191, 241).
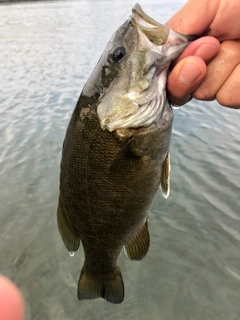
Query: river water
point(192, 271)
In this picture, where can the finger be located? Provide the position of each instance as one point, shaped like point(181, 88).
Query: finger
point(214, 18)
point(205, 48)
point(226, 23)
point(218, 71)
point(184, 79)
point(11, 302)
point(194, 17)
point(228, 95)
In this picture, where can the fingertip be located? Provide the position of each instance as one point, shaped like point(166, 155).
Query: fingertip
point(190, 74)
point(205, 48)
point(11, 301)
point(184, 79)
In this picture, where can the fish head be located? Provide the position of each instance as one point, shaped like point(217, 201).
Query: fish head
point(134, 73)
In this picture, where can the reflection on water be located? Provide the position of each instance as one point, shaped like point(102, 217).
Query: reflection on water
point(47, 51)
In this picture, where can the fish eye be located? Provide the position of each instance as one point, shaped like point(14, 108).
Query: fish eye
point(118, 54)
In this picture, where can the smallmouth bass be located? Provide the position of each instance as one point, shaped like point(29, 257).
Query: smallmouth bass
point(116, 153)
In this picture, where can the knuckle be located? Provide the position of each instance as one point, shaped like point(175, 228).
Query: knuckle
point(231, 48)
point(203, 93)
point(227, 100)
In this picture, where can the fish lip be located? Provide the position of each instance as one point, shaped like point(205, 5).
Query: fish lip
point(156, 32)
point(137, 10)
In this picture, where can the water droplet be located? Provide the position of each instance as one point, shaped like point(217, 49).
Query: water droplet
point(174, 106)
point(71, 253)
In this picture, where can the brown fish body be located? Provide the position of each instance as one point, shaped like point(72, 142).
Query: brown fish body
point(109, 178)
point(108, 184)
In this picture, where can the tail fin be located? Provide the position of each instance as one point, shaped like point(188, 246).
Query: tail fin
point(109, 287)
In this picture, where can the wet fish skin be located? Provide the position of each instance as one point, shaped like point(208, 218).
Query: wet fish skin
point(110, 173)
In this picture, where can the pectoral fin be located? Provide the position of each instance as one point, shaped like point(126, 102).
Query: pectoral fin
point(128, 159)
point(165, 178)
point(71, 241)
point(138, 246)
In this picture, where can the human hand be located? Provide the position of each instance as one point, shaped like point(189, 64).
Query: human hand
point(216, 66)
point(11, 301)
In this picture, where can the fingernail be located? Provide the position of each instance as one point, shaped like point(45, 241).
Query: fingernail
point(189, 74)
point(206, 51)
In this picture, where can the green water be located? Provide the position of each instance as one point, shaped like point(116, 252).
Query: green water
point(192, 271)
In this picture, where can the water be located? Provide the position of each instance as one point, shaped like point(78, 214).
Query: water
point(192, 271)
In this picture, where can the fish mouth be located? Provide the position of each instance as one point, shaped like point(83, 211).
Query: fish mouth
point(154, 31)
point(143, 103)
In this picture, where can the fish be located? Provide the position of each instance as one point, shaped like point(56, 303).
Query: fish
point(116, 153)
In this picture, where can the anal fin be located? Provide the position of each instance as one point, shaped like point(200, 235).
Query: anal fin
point(138, 246)
point(165, 177)
point(71, 241)
point(108, 286)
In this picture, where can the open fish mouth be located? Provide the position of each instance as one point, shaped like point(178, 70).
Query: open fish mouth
point(142, 103)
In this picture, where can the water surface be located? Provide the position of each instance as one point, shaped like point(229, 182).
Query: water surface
point(192, 271)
